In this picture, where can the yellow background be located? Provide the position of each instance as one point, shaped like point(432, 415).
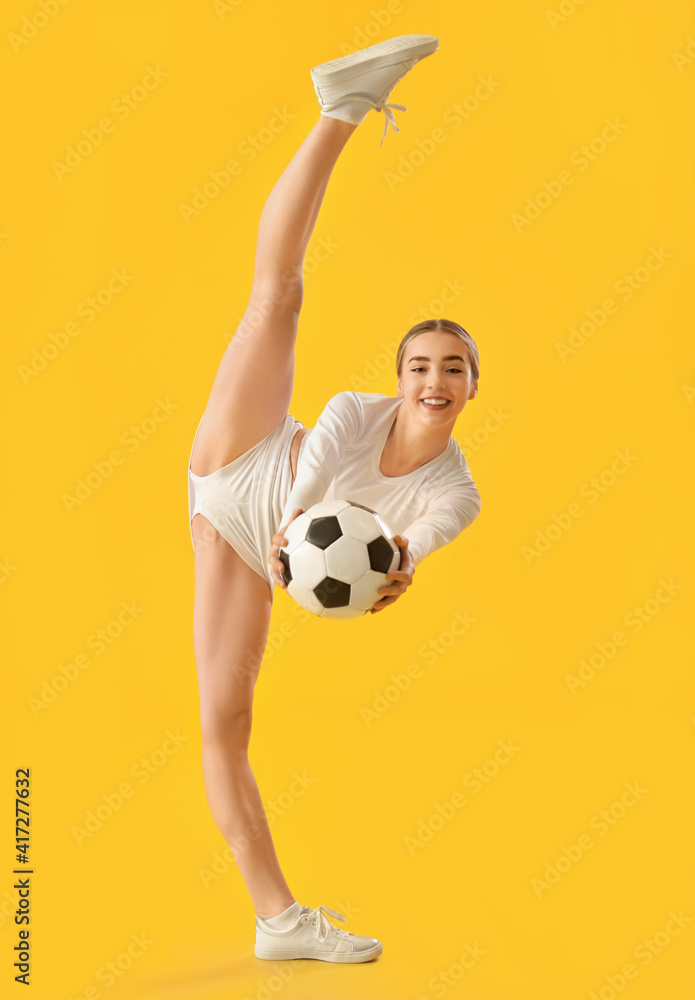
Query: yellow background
point(629, 387)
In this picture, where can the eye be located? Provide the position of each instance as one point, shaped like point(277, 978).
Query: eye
point(421, 369)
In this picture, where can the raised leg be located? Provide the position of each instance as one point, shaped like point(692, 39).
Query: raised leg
point(252, 390)
point(249, 398)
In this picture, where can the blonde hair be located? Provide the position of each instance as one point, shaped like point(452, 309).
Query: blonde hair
point(446, 326)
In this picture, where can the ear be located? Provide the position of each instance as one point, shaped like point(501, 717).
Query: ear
point(399, 387)
point(474, 389)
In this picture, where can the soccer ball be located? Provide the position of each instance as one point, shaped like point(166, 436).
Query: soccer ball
point(337, 556)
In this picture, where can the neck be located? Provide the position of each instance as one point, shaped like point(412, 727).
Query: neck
point(411, 444)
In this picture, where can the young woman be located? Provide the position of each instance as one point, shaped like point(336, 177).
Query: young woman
point(254, 468)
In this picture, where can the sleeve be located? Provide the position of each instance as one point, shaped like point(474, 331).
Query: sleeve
point(337, 428)
point(445, 518)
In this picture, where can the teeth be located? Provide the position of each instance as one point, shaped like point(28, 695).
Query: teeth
point(435, 402)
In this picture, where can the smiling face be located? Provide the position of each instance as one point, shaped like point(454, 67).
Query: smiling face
point(436, 365)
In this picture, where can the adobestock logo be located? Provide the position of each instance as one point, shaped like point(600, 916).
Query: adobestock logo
point(591, 490)
point(121, 106)
point(565, 9)
point(475, 780)
point(453, 117)
point(98, 643)
point(32, 24)
point(625, 287)
point(582, 157)
point(88, 310)
point(600, 823)
point(248, 149)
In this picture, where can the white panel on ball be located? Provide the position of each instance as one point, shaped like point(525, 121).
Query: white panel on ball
point(305, 598)
point(358, 523)
point(308, 564)
point(296, 531)
point(327, 508)
point(347, 559)
point(364, 594)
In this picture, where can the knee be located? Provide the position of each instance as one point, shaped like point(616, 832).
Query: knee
point(282, 292)
point(229, 730)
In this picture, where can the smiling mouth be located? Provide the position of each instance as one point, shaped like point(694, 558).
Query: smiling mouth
point(440, 405)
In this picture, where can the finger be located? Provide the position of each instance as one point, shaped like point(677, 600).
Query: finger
point(398, 575)
point(384, 603)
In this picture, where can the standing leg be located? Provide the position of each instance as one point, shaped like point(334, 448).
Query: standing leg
point(252, 390)
point(230, 629)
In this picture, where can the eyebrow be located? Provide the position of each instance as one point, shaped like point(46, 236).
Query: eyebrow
point(449, 357)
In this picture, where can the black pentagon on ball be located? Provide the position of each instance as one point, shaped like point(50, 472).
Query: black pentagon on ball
point(333, 593)
point(380, 555)
point(323, 531)
point(285, 557)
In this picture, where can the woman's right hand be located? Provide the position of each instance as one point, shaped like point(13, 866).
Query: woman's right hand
point(277, 566)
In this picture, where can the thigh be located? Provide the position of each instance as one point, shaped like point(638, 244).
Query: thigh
point(253, 386)
point(231, 618)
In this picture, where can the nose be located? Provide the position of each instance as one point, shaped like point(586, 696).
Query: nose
point(435, 381)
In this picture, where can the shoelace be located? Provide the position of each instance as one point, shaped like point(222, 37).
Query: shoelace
point(323, 925)
point(386, 108)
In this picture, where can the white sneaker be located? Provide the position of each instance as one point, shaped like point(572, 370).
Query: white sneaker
point(349, 87)
point(314, 936)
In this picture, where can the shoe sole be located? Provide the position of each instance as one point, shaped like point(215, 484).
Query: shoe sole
point(344, 958)
point(387, 53)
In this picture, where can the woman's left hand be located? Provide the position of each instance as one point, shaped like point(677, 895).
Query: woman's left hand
point(401, 578)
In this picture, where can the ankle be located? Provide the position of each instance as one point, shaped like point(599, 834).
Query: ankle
point(275, 911)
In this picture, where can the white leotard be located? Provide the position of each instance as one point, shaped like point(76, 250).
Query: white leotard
point(339, 459)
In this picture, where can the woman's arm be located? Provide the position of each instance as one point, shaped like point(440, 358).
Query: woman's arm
point(336, 429)
point(445, 518)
